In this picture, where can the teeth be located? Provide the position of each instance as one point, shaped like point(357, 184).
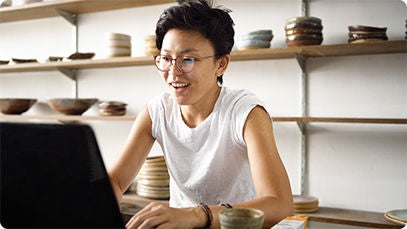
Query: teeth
point(179, 84)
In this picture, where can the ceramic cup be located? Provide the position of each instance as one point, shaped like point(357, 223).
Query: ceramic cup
point(244, 218)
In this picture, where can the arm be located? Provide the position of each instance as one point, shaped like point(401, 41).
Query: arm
point(270, 178)
point(135, 151)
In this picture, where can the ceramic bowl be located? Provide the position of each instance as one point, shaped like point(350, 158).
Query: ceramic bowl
point(367, 28)
point(244, 44)
point(71, 106)
point(4, 62)
point(302, 40)
point(304, 19)
point(16, 105)
point(300, 31)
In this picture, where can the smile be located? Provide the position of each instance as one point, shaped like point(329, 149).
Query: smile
point(179, 85)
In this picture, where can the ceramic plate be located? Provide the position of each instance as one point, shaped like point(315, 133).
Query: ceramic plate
point(400, 215)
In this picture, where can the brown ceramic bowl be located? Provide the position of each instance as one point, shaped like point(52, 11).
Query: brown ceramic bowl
point(16, 105)
point(367, 28)
point(303, 40)
point(71, 106)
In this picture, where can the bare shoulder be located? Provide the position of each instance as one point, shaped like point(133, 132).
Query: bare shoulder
point(258, 120)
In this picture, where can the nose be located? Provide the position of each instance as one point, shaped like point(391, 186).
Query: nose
point(174, 68)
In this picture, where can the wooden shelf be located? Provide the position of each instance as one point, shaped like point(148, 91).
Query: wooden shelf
point(78, 64)
point(383, 47)
point(48, 9)
point(132, 118)
point(351, 217)
point(324, 214)
point(65, 118)
point(341, 120)
point(379, 47)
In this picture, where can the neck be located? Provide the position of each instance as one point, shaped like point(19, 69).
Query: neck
point(195, 114)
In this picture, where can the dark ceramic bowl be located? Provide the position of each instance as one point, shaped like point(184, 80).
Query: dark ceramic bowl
point(303, 40)
point(367, 28)
point(71, 106)
point(16, 105)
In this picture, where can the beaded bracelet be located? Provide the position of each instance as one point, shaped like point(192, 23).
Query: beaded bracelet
point(208, 214)
point(227, 205)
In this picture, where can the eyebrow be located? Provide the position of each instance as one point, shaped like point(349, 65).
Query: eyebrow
point(184, 51)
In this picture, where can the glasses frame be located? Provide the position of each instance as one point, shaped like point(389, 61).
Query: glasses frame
point(177, 64)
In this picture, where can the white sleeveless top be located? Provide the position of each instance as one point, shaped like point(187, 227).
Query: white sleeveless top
point(208, 163)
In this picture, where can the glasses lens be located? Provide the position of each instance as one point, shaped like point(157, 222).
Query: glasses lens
point(187, 63)
point(163, 63)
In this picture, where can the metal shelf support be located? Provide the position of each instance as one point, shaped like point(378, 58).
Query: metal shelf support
point(71, 73)
point(302, 62)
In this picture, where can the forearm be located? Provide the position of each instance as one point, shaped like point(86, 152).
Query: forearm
point(274, 210)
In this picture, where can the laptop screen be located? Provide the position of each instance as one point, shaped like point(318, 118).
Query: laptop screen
point(52, 175)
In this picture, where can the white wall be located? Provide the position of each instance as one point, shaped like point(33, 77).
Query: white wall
point(359, 166)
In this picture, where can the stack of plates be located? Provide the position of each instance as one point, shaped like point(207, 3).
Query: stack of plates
point(255, 40)
point(361, 34)
point(112, 108)
point(305, 204)
point(150, 48)
point(153, 179)
point(303, 31)
point(117, 44)
point(397, 216)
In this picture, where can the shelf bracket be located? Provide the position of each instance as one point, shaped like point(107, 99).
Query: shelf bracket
point(70, 73)
point(73, 19)
point(301, 127)
point(70, 17)
point(302, 61)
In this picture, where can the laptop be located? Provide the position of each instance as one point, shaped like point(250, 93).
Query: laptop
point(53, 176)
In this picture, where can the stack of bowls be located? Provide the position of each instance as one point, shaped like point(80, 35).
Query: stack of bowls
point(362, 33)
point(117, 44)
point(150, 48)
point(255, 40)
point(112, 108)
point(153, 179)
point(305, 204)
point(301, 31)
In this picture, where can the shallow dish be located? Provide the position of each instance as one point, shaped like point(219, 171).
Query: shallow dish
point(366, 28)
point(20, 61)
point(16, 105)
point(81, 55)
point(2, 62)
point(71, 106)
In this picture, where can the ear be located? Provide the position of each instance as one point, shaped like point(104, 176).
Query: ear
point(223, 64)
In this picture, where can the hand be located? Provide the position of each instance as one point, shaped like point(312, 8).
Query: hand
point(159, 215)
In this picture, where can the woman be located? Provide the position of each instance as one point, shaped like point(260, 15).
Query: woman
point(218, 142)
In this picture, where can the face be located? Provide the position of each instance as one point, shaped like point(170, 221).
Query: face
point(198, 85)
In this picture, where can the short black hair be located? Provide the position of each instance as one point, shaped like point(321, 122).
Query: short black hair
point(213, 23)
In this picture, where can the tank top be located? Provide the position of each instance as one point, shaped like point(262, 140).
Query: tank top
point(209, 163)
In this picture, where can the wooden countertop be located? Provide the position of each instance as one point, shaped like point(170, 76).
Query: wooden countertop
point(324, 214)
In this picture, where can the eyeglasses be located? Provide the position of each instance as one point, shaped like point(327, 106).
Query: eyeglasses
point(185, 64)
